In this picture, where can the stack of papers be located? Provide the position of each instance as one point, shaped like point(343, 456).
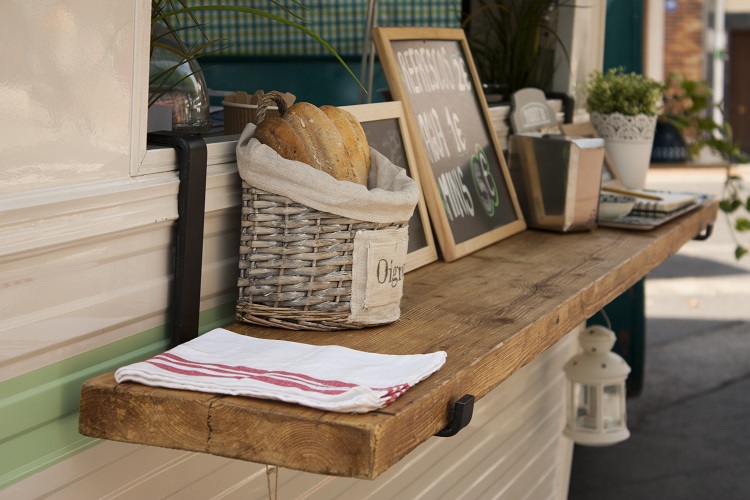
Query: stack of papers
point(654, 208)
point(662, 202)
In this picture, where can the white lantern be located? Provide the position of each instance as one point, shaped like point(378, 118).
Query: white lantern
point(596, 391)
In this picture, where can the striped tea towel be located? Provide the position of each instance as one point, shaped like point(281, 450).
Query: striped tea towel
point(329, 378)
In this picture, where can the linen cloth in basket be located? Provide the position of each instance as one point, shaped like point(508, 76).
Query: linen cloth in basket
point(318, 253)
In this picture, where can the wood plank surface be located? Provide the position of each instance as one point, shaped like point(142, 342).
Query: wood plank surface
point(492, 311)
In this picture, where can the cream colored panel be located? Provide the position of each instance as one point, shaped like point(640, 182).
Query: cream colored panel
point(66, 90)
point(512, 449)
point(76, 274)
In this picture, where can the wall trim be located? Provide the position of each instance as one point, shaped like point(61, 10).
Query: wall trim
point(40, 408)
point(45, 219)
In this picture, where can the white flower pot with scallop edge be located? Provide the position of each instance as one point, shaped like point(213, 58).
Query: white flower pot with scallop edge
point(628, 141)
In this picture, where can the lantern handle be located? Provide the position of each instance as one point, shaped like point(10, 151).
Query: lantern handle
point(463, 410)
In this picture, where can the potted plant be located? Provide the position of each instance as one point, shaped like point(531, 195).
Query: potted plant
point(513, 44)
point(175, 77)
point(624, 108)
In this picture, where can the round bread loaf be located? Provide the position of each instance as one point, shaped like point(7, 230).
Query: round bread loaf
point(322, 140)
point(327, 138)
point(282, 138)
point(354, 140)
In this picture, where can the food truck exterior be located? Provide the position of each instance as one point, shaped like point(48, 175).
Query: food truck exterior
point(86, 241)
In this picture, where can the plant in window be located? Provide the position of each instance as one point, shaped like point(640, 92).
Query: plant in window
point(513, 43)
point(175, 77)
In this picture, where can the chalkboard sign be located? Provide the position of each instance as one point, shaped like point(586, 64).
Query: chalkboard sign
point(386, 131)
point(463, 174)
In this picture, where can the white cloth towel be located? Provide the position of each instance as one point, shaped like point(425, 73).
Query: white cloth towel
point(391, 195)
point(329, 378)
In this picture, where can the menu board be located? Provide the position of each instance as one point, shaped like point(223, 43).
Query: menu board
point(463, 174)
point(385, 128)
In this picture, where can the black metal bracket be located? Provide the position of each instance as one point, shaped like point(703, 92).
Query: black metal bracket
point(706, 233)
point(463, 410)
point(192, 159)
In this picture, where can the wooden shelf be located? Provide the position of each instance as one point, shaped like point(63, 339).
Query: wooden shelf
point(492, 311)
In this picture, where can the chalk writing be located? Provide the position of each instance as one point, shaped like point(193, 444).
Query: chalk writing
point(432, 133)
point(432, 70)
point(483, 181)
point(456, 196)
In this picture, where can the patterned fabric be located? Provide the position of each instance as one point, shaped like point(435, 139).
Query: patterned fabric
point(341, 23)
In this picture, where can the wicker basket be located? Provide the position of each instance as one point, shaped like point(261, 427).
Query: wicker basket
point(296, 263)
point(306, 268)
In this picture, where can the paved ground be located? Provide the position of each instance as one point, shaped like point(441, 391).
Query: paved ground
point(690, 426)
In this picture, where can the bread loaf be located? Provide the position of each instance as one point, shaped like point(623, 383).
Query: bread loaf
point(327, 138)
point(322, 140)
point(282, 138)
point(354, 140)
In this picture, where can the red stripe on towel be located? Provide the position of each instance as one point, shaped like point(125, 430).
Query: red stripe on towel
point(267, 379)
point(176, 364)
point(242, 369)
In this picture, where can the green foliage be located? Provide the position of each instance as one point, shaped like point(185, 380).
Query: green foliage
point(513, 42)
point(733, 204)
point(619, 92)
point(176, 16)
point(688, 106)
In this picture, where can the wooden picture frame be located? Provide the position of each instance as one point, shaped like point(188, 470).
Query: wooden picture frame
point(610, 175)
point(385, 127)
point(466, 183)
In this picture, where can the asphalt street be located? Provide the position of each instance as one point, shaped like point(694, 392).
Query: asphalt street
point(689, 425)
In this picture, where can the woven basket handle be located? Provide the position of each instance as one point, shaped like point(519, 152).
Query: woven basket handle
point(274, 97)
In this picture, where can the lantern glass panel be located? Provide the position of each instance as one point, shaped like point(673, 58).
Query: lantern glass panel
point(586, 406)
point(613, 410)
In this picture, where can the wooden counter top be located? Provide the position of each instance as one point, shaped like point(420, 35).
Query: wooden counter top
point(492, 311)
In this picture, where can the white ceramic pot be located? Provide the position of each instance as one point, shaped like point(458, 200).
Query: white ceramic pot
point(628, 141)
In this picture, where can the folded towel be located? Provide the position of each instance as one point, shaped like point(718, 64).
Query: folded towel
point(330, 377)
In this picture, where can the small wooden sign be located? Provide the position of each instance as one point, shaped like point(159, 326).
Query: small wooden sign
point(386, 131)
point(463, 174)
point(531, 113)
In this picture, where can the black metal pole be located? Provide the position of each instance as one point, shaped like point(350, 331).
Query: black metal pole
point(191, 207)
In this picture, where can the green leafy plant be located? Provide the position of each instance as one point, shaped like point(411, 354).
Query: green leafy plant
point(175, 16)
point(619, 92)
point(737, 210)
point(513, 42)
point(688, 105)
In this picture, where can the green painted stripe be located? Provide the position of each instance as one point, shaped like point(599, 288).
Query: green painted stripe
point(39, 409)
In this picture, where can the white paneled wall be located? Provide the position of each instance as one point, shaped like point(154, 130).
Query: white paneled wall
point(105, 273)
point(512, 449)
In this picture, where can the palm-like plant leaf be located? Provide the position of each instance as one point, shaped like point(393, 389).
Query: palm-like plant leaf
point(169, 13)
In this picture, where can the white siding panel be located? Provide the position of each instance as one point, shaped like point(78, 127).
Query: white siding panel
point(512, 449)
point(59, 300)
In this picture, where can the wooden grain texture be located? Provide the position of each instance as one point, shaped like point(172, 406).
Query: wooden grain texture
point(492, 311)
